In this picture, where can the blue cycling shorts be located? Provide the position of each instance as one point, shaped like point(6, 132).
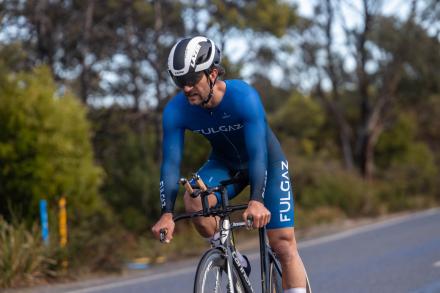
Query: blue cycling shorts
point(278, 196)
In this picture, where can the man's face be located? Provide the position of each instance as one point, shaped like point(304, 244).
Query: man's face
point(198, 92)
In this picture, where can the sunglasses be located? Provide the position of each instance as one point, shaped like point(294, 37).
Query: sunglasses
point(189, 79)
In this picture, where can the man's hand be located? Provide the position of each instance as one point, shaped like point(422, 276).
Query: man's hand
point(165, 222)
point(260, 215)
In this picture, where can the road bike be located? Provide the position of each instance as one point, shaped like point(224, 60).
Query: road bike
point(220, 269)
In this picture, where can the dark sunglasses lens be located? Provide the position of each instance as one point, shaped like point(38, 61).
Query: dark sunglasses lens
point(179, 81)
point(189, 79)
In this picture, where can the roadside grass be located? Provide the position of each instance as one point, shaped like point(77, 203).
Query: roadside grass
point(23, 257)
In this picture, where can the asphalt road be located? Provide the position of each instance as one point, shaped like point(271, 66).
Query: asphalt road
point(398, 255)
point(401, 255)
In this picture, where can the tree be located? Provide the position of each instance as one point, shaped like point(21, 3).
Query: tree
point(127, 160)
point(71, 37)
point(262, 25)
point(304, 126)
point(89, 43)
point(361, 99)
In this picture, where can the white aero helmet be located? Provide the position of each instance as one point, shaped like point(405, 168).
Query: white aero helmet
point(191, 57)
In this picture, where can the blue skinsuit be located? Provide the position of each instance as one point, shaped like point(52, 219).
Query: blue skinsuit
point(241, 140)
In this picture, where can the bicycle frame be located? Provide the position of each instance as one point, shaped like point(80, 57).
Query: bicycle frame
point(226, 234)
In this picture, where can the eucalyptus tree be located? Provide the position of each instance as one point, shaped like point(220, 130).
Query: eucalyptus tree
point(357, 70)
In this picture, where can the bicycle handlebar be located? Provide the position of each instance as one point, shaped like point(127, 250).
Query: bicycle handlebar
point(200, 189)
point(212, 212)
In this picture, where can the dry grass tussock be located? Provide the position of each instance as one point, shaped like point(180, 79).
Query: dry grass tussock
point(23, 257)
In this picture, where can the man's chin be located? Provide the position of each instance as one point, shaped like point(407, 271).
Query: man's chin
point(195, 100)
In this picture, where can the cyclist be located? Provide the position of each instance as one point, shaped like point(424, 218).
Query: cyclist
point(230, 115)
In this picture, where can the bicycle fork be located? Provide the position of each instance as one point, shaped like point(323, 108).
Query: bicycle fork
point(225, 232)
point(231, 255)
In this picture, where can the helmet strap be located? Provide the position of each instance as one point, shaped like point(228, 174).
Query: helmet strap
point(211, 89)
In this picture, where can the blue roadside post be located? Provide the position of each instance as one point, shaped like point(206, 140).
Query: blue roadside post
point(44, 221)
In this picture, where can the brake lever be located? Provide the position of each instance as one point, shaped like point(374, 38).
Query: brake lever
point(249, 222)
point(162, 236)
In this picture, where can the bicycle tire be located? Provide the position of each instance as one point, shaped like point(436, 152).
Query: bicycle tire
point(214, 261)
point(275, 279)
point(276, 282)
point(308, 287)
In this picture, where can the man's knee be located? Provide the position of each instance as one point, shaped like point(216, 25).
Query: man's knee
point(195, 204)
point(284, 246)
point(205, 226)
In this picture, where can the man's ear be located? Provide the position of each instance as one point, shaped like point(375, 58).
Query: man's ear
point(213, 74)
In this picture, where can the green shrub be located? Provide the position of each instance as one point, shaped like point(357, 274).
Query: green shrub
point(411, 181)
point(325, 183)
point(96, 240)
point(340, 189)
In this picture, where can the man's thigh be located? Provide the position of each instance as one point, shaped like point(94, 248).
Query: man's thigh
point(278, 197)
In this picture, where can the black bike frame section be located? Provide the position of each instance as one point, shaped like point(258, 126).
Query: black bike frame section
point(264, 260)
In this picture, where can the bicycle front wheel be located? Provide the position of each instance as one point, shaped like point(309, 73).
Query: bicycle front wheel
point(275, 281)
point(211, 275)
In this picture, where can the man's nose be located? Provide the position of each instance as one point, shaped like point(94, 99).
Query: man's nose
point(187, 88)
